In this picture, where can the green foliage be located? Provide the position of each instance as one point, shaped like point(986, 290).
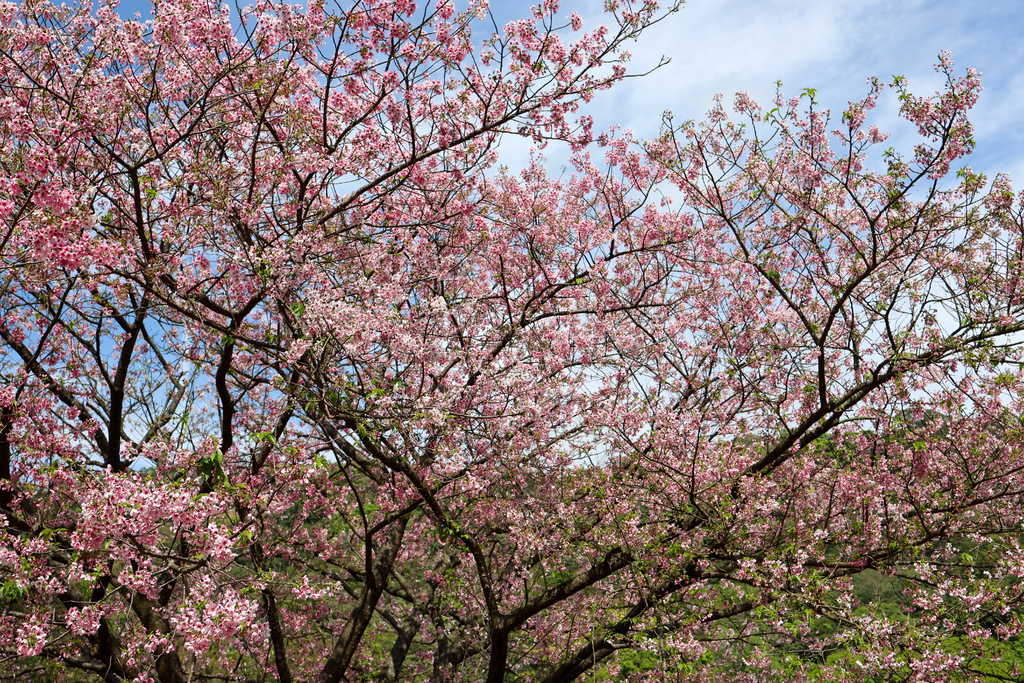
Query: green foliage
point(211, 468)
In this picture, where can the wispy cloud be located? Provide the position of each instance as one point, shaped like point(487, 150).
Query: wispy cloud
point(725, 46)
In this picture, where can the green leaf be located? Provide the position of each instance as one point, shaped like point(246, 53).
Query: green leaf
point(10, 590)
point(265, 437)
point(211, 468)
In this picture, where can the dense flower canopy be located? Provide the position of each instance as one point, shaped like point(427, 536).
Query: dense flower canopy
point(297, 383)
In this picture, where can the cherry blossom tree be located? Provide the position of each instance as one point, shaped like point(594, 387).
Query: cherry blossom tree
point(298, 384)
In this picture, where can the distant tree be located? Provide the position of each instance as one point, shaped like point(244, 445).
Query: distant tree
point(296, 384)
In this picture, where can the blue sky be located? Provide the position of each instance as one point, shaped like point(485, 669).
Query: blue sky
point(731, 45)
point(724, 46)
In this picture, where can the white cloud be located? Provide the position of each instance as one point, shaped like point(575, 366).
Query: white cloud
point(725, 46)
